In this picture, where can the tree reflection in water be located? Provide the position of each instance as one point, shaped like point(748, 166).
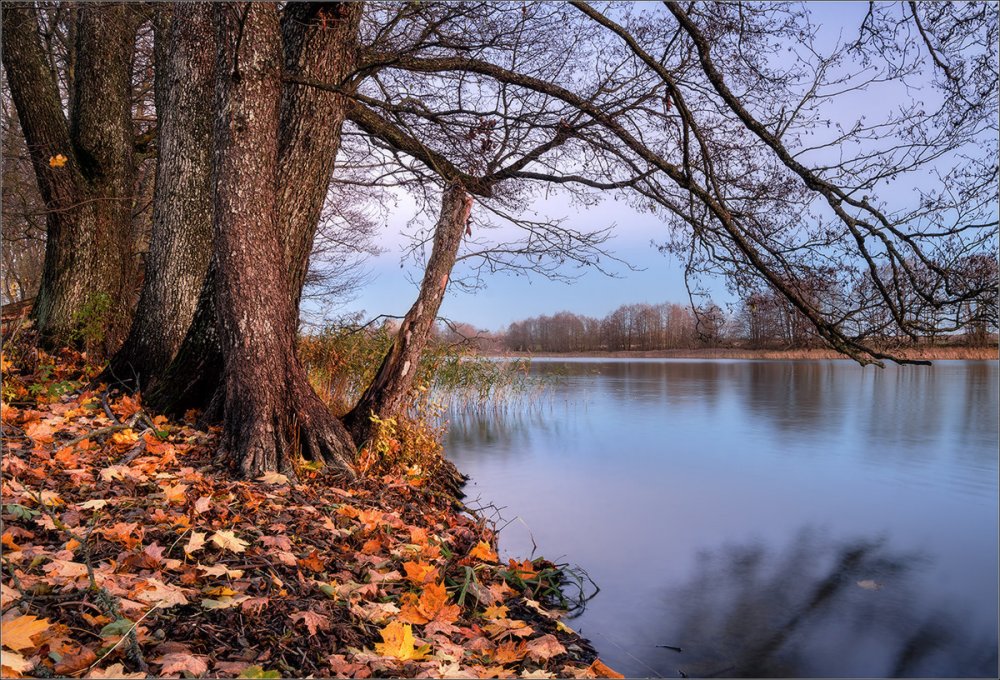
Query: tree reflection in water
point(815, 609)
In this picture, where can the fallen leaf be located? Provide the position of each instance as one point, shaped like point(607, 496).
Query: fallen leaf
point(601, 670)
point(227, 540)
point(95, 504)
point(161, 594)
point(14, 662)
point(420, 573)
point(398, 643)
point(273, 478)
point(432, 606)
point(483, 552)
point(17, 633)
point(73, 663)
point(115, 670)
point(182, 661)
point(195, 543)
point(544, 648)
point(314, 622)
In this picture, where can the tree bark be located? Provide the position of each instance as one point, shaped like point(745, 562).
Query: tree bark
point(181, 242)
point(90, 268)
point(388, 393)
point(271, 413)
point(320, 42)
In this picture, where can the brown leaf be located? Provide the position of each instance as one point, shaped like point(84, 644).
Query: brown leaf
point(71, 663)
point(182, 661)
point(314, 622)
point(544, 648)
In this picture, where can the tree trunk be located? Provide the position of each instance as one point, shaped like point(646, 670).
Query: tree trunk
point(271, 413)
point(181, 242)
point(388, 393)
point(320, 43)
point(85, 172)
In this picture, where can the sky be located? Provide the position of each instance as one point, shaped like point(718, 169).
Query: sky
point(506, 298)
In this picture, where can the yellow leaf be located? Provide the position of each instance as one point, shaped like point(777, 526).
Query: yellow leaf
point(227, 540)
point(398, 643)
point(57, 161)
point(95, 504)
point(17, 633)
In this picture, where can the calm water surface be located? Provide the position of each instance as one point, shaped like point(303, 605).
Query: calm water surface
point(769, 518)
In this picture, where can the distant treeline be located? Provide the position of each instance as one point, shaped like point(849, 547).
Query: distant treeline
point(759, 321)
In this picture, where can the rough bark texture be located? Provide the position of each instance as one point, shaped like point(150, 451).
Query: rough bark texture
point(271, 413)
point(320, 43)
point(181, 242)
point(90, 269)
point(388, 392)
point(318, 39)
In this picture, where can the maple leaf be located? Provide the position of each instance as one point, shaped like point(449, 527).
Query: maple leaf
point(12, 661)
point(125, 438)
point(175, 493)
point(313, 621)
point(71, 664)
point(544, 648)
point(17, 633)
point(115, 670)
point(496, 612)
point(539, 673)
point(195, 543)
point(227, 540)
point(182, 661)
point(220, 570)
point(509, 652)
point(483, 552)
point(312, 562)
point(65, 569)
point(398, 643)
point(224, 602)
point(503, 627)
point(161, 594)
point(202, 505)
point(420, 572)
point(432, 606)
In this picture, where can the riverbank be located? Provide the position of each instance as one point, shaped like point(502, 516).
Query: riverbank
point(128, 551)
point(939, 353)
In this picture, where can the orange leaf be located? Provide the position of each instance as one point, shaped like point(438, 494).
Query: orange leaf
point(420, 572)
point(509, 652)
point(600, 670)
point(17, 633)
point(544, 648)
point(57, 161)
point(483, 552)
point(312, 562)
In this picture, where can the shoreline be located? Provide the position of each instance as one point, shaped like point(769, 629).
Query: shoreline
point(917, 353)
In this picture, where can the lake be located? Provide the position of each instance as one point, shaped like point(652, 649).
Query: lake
point(796, 519)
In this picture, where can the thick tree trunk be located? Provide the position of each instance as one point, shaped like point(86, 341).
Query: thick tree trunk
point(181, 242)
point(271, 413)
point(85, 171)
point(388, 393)
point(320, 43)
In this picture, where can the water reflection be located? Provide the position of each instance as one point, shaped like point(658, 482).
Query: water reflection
point(814, 609)
point(640, 470)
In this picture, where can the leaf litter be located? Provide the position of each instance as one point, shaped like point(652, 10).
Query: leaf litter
point(128, 551)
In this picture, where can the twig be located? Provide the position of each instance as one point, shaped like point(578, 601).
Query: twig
point(107, 409)
point(130, 635)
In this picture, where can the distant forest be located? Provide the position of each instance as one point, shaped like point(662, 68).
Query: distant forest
point(758, 321)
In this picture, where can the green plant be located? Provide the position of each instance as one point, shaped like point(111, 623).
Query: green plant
point(91, 320)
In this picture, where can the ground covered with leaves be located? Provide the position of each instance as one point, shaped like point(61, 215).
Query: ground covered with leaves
point(128, 553)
